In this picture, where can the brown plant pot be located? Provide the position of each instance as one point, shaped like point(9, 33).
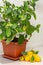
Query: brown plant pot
point(13, 50)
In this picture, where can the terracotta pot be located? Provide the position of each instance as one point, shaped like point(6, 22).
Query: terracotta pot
point(13, 50)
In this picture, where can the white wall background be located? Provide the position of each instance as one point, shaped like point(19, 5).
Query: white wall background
point(37, 38)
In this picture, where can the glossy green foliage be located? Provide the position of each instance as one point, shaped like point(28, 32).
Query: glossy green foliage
point(16, 19)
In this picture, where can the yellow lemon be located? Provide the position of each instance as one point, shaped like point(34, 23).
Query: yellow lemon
point(27, 58)
point(30, 56)
point(21, 58)
point(34, 55)
point(37, 58)
point(29, 53)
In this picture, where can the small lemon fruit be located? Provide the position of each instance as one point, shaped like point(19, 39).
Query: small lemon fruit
point(37, 58)
point(30, 56)
point(29, 53)
point(27, 58)
point(21, 58)
point(34, 55)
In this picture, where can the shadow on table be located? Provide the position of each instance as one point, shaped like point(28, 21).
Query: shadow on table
point(4, 60)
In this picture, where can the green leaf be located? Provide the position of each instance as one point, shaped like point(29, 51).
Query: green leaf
point(30, 29)
point(14, 25)
point(32, 3)
point(34, 15)
point(1, 37)
point(19, 29)
point(9, 10)
point(8, 32)
point(0, 31)
point(13, 32)
point(37, 52)
point(15, 13)
point(32, 12)
point(24, 53)
point(25, 6)
point(34, 0)
point(21, 39)
point(22, 17)
point(33, 51)
point(32, 59)
point(1, 9)
point(25, 35)
point(37, 28)
point(13, 6)
point(7, 3)
point(8, 41)
point(28, 16)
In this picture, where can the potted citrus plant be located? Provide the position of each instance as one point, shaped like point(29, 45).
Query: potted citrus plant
point(15, 27)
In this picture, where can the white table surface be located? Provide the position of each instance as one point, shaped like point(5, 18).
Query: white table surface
point(4, 61)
